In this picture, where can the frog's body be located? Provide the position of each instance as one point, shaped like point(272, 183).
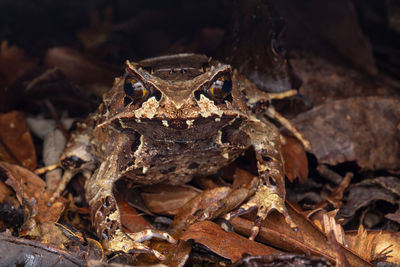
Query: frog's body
point(169, 119)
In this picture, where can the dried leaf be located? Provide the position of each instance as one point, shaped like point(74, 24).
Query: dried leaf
point(376, 245)
point(13, 62)
point(296, 163)
point(308, 239)
point(167, 199)
point(335, 198)
point(226, 244)
point(11, 213)
point(99, 31)
point(130, 218)
point(79, 69)
point(42, 85)
point(323, 23)
point(359, 129)
point(371, 190)
point(262, 61)
point(191, 211)
point(30, 190)
point(282, 260)
point(16, 145)
point(241, 177)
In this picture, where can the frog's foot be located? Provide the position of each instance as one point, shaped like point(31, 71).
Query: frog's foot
point(131, 242)
point(265, 200)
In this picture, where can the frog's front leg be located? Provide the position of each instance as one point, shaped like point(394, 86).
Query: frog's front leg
point(105, 214)
point(270, 192)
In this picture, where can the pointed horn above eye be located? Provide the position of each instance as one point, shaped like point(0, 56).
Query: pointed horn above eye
point(130, 65)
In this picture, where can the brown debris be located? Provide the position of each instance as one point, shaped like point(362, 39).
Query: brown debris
point(359, 129)
point(296, 163)
point(16, 145)
point(226, 244)
point(31, 193)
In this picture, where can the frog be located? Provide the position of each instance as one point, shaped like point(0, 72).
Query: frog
point(169, 119)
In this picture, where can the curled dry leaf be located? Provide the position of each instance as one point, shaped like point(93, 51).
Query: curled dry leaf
point(11, 213)
point(282, 260)
point(335, 198)
point(296, 163)
point(375, 245)
point(100, 29)
point(362, 129)
point(16, 145)
point(13, 62)
point(167, 199)
point(130, 218)
point(79, 68)
point(30, 191)
point(62, 238)
point(262, 61)
point(96, 263)
point(191, 211)
point(321, 21)
point(371, 190)
point(226, 244)
point(308, 238)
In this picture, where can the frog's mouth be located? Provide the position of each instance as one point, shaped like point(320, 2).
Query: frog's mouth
point(178, 130)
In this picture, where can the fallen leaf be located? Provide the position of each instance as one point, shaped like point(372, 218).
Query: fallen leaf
point(335, 198)
point(57, 88)
point(130, 218)
point(100, 29)
point(369, 191)
point(323, 23)
point(325, 81)
point(16, 145)
point(282, 260)
point(11, 213)
point(80, 69)
point(226, 244)
point(167, 199)
point(193, 209)
point(275, 232)
point(31, 193)
point(296, 163)
point(362, 129)
point(263, 62)
point(376, 245)
point(13, 62)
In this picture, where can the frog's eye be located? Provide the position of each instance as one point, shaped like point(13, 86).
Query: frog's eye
point(135, 90)
point(220, 89)
point(72, 162)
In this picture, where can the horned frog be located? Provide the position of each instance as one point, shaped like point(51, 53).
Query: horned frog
point(166, 120)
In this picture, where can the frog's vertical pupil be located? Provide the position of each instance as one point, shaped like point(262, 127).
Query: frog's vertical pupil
point(227, 86)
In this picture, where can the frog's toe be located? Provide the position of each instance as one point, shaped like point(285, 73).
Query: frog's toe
point(140, 248)
point(131, 242)
point(149, 234)
point(265, 200)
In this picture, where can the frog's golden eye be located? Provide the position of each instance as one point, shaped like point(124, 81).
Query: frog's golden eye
point(220, 89)
point(135, 90)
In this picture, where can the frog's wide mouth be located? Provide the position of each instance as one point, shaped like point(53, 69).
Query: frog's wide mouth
point(177, 130)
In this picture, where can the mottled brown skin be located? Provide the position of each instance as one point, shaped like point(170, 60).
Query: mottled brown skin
point(179, 130)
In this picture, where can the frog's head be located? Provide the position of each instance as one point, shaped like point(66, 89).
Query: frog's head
point(179, 97)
